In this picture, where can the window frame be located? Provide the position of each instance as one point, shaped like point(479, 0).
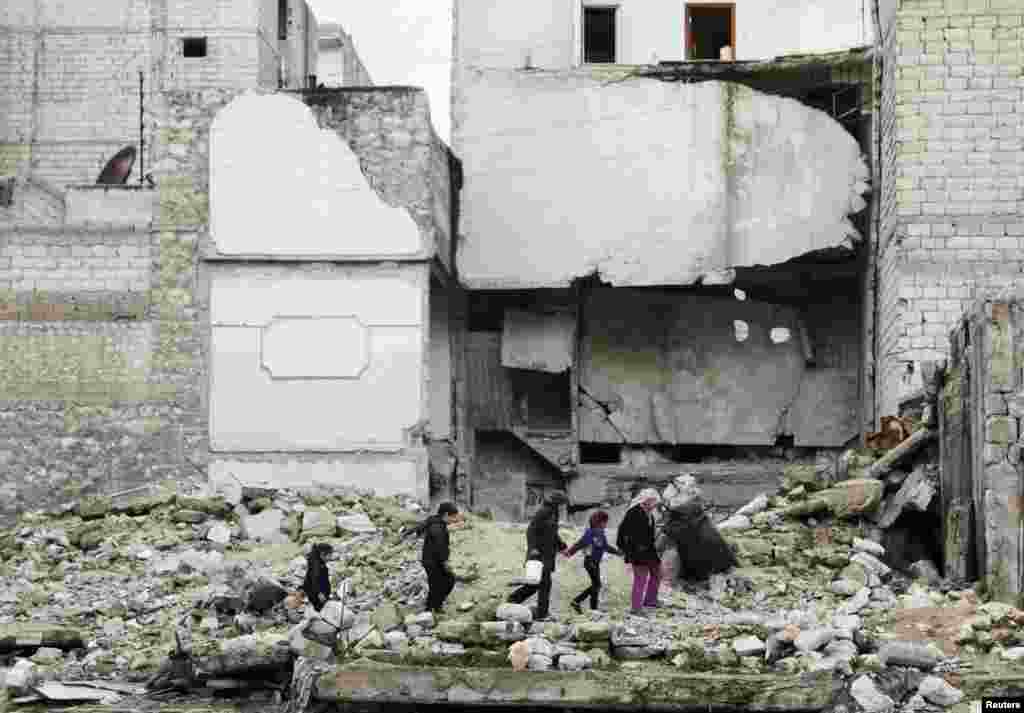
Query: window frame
point(614, 7)
point(199, 43)
point(687, 34)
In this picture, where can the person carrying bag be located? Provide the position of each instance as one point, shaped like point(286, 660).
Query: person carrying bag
point(542, 544)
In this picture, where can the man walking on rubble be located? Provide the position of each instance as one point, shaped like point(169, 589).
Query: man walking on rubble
point(436, 550)
point(543, 543)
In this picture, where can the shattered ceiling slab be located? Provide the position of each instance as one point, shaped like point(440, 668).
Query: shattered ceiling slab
point(644, 182)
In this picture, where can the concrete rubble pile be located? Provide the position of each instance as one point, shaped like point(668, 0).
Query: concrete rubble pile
point(159, 594)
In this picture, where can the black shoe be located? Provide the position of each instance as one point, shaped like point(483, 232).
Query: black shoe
point(577, 608)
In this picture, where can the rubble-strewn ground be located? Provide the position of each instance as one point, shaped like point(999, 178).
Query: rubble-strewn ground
point(106, 591)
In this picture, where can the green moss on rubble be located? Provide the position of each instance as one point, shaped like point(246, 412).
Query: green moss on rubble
point(183, 201)
point(83, 368)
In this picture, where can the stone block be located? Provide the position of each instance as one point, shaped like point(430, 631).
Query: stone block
point(1001, 430)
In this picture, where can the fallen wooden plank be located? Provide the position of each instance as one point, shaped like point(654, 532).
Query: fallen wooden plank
point(904, 450)
point(589, 690)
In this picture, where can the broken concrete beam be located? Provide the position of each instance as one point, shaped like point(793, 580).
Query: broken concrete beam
point(606, 690)
point(898, 454)
point(14, 637)
point(916, 492)
point(245, 654)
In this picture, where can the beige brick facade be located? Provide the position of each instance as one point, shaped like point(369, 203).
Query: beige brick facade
point(952, 148)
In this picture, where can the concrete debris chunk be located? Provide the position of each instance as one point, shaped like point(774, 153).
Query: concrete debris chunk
point(935, 689)
point(748, 646)
point(845, 587)
point(22, 677)
point(736, 522)
point(869, 546)
point(318, 523)
point(573, 662)
point(356, 524)
point(871, 563)
point(855, 603)
point(908, 653)
point(755, 506)
point(589, 632)
point(539, 663)
point(514, 612)
point(868, 697)
point(814, 639)
point(219, 533)
point(65, 693)
point(266, 527)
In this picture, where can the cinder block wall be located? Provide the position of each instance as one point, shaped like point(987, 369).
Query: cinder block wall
point(982, 406)
point(952, 131)
point(103, 336)
point(69, 75)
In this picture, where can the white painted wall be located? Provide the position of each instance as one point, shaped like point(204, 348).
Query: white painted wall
point(369, 403)
point(565, 175)
point(501, 33)
point(302, 196)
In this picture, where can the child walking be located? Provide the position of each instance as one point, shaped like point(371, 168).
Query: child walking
point(596, 545)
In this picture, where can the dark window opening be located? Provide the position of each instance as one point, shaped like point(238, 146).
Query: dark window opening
point(193, 47)
point(599, 35)
point(542, 400)
point(709, 28)
point(282, 19)
point(600, 452)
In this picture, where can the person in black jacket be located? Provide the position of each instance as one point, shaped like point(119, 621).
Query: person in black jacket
point(636, 540)
point(440, 579)
point(543, 543)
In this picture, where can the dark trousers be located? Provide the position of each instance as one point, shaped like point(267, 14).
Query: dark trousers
point(542, 589)
point(439, 585)
point(593, 568)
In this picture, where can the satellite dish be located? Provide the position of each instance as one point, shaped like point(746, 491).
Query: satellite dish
point(117, 170)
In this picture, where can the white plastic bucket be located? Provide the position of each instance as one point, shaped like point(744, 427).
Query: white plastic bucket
point(533, 571)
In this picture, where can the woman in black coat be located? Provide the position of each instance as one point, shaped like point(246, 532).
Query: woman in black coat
point(636, 540)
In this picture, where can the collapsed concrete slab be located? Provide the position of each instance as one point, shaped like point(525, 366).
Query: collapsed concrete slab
point(593, 689)
point(643, 182)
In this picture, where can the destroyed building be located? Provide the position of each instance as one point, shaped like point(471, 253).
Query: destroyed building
point(666, 259)
point(664, 239)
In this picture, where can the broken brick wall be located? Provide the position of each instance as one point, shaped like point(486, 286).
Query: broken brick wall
point(982, 406)
point(389, 128)
point(102, 345)
point(951, 132)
